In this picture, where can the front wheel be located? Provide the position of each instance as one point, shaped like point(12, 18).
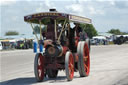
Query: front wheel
point(39, 67)
point(69, 65)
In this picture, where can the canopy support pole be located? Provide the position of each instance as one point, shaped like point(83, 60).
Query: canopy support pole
point(40, 31)
point(55, 30)
point(34, 32)
point(61, 31)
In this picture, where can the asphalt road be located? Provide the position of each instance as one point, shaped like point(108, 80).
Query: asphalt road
point(109, 66)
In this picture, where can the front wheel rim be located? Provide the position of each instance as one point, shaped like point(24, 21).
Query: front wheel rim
point(69, 65)
point(40, 67)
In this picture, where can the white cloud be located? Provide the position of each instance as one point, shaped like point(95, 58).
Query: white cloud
point(40, 8)
point(49, 3)
point(14, 18)
point(76, 8)
point(45, 5)
point(86, 8)
point(112, 3)
point(100, 0)
point(94, 11)
point(7, 2)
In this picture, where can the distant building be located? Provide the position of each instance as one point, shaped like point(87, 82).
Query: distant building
point(109, 36)
point(19, 37)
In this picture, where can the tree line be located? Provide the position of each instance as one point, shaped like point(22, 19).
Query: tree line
point(88, 28)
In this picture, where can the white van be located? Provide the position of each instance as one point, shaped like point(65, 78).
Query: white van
point(1, 46)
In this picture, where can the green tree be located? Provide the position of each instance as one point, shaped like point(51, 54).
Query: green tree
point(125, 33)
point(115, 31)
point(11, 33)
point(89, 29)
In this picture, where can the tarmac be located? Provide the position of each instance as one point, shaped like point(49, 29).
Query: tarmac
point(109, 66)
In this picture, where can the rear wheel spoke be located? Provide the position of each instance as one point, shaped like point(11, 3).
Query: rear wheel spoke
point(86, 66)
point(39, 67)
point(85, 58)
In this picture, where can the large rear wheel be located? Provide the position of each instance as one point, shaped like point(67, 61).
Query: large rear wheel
point(39, 67)
point(69, 65)
point(84, 59)
point(79, 54)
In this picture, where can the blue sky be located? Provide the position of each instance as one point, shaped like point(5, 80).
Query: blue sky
point(105, 14)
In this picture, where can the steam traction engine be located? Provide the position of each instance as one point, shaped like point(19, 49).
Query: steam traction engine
point(63, 45)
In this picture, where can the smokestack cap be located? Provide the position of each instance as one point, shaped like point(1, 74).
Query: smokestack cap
point(52, 10)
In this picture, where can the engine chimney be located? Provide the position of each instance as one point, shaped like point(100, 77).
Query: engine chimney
point(52, 10)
